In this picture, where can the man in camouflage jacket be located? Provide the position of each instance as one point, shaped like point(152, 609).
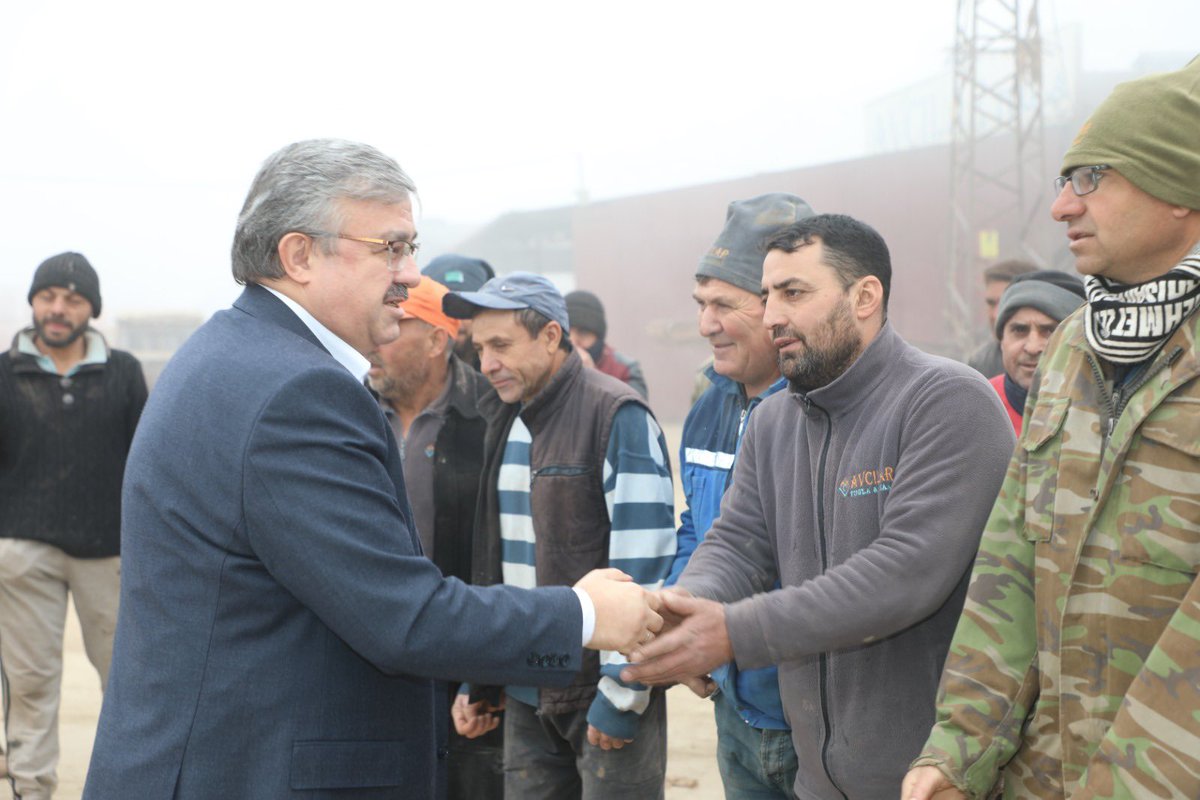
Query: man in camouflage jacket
point(1075, 668)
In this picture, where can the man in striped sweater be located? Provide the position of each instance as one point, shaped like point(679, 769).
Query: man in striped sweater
point(576, 477)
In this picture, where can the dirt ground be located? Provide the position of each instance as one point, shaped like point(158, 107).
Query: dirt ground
point(691, 760)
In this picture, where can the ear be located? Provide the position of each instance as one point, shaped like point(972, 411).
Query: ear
point(866, 297)
point(294, 250)
point(551, 335)
point(440, 340)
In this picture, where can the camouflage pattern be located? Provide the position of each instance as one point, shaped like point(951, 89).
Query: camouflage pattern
point(1075, 667)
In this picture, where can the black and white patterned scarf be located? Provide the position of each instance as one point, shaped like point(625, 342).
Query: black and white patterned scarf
point(1127, 324)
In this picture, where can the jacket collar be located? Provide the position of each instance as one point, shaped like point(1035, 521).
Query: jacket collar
point(261, 304)
point(354, 362)
point(494, 409)
point(465, 388)
point(857, 383)
point(730, 386)
point(559, 384)
point(26, 357)
point(1186, 337)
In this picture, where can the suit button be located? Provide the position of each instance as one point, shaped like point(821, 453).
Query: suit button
point(442, 752)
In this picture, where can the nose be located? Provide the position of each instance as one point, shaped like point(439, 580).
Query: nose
point(487, 363)
point(1035, 343)
point(407, 272)
point(1067, 205)
point(709, 324)
point(771, 316)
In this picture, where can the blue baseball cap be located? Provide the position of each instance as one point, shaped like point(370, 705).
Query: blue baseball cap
point(510, 293)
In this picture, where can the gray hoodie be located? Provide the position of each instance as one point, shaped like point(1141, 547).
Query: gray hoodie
point(866, 499)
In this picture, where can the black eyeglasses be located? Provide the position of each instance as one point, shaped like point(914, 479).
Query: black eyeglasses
point(397, 249)
point(1083, 180)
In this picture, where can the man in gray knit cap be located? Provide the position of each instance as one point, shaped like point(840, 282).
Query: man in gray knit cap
point(1028, 313)
point(754, 747)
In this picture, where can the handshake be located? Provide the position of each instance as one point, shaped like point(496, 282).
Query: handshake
point(669, 636)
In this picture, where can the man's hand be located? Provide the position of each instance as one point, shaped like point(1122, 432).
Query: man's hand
point(703, 687)
point(602, 740)
point(928, 783)
point(626, 614)
point(474, 719)
point(696, 646)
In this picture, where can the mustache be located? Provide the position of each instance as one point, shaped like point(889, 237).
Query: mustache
point(396, 293)
point(780, 332)
point(57, 318)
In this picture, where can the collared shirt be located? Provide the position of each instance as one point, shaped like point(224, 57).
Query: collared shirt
point(418, 453)
point(95, 353)
point(347, 356)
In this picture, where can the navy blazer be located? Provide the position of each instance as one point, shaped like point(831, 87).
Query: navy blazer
point(279, 626)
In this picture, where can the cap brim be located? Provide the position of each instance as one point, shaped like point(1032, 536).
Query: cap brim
point(464, 305)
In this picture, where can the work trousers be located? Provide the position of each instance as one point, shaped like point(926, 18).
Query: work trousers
point(34, 581)
point(548, 757)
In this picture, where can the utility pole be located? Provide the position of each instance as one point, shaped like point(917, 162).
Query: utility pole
point(997, 148)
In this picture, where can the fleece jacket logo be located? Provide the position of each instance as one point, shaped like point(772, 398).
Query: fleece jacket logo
point(867, 481)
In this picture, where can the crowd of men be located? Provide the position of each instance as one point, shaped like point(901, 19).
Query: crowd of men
point(384, 534)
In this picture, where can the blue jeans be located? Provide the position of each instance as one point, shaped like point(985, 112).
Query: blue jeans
point(755, 763)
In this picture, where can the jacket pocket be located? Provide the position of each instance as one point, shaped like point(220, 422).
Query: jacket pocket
point(1159, 516)
point(351, 765)
point(568, 502)
point(1041, 443)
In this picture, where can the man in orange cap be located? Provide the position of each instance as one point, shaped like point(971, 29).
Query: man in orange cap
point(431, 399)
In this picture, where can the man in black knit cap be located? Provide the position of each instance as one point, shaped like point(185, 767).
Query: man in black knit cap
point(70, 408)
point(588, 329)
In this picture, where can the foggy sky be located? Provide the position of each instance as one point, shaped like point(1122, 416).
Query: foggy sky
point(131, 130)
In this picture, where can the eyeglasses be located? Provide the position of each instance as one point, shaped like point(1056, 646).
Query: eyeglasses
point(1084, 180)
point(397, 249)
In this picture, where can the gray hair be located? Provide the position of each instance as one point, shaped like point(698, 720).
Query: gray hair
point(297, 189)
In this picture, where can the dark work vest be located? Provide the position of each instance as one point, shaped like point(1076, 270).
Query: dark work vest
point(569, 421)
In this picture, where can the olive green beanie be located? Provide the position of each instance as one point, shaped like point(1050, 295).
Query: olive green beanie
point(1149, 131)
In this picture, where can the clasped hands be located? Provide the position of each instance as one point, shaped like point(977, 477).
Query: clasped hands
point(692, 642)
point(669, 636)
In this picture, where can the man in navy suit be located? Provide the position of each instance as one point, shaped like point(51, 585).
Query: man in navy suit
point(279, 629)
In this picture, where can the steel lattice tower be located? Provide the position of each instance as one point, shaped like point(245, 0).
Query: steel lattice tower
point(997, 148)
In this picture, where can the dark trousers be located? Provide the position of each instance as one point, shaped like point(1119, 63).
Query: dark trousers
point(547, 756)
point(476, 767)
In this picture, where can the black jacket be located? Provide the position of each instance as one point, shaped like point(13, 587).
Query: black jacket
point(457, 469)
point(63, 443)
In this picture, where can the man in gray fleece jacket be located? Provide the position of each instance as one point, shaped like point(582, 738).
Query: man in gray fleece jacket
point(863, 490)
